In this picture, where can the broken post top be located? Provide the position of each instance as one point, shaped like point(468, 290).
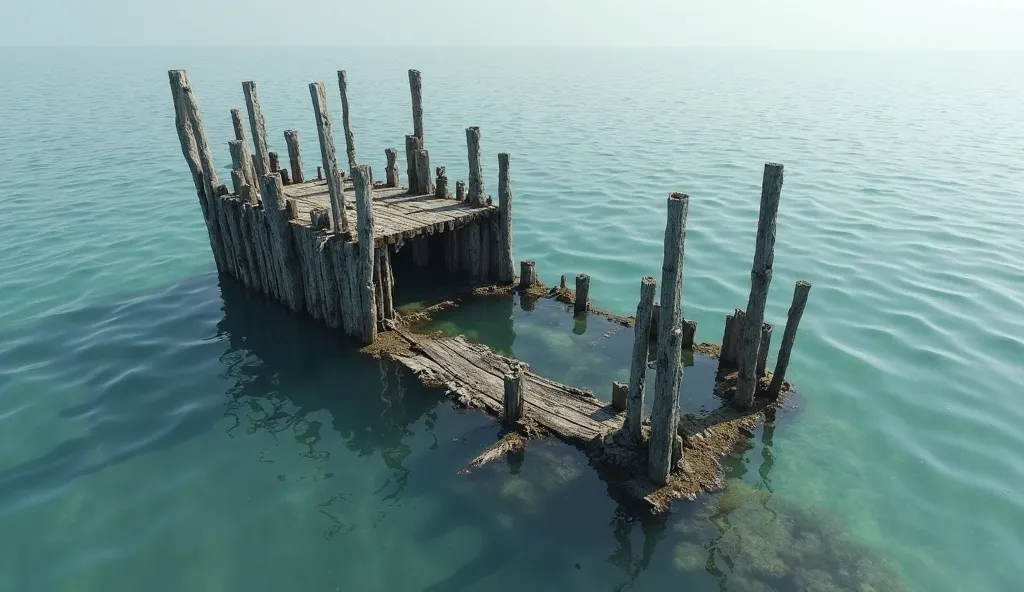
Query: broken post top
point(416, 89)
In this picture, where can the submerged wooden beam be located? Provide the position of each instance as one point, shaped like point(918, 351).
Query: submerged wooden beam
point(638, 365)
point(318, 94)
point(259, 127)
point(416, 90)
point(760, 279)
point(477, 192)
point(796, 311)
point(291, 139)
point(665, 412)
point(350, 140)
point(505, 268)
point(362, 181)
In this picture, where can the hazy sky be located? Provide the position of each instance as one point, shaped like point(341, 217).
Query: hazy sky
point(807, 24)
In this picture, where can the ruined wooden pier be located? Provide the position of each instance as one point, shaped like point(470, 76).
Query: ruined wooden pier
point(327, 246)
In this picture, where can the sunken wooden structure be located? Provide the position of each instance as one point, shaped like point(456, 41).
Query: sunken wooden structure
point(326, 246)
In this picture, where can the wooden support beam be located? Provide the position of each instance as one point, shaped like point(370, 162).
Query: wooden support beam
point(282, 246)
point(423, 176)
point(416, 90)
point(760, 279)
point(350, 140)
point(259, 128)
point(665, 411)
point(392, 167)
point(362, 181)
point(620, 390)
point(477, 193)
point(514, 400)
point(387, 286)
point(505, 268)
point(412, 144)
point(291, 139)
point(638, 365)
point(318, 93)
point(582, 303)
point(796, 311)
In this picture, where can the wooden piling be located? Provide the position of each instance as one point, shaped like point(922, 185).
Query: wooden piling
point(796, 311)
point(689, 332)
point(477, 193)
point(561, 283)
point(527, 274)
point(237, 181)
point(318, 93)
point(281, 244)
point(259, 128)
point(350, 141)
point(423, 176)
point(505, 269)
point(655, 320)
point(732, 339)
point(638, 365)
point(412, 144)
point(275, 162)
point(620, 390)
point(416, 90)
point(291, 139)
point(665, 412)
point(291, 208)
point(387, 285)
point(362, 181)
point(242, 160)
point(760, 279)
point(514, 400)
point(582, 303)
point(392, 167)
point(238, 126)
point(441, 184)
point(460, 191)
point(762, 350)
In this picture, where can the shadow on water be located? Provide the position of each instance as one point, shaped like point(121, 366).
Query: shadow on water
point(540, 520)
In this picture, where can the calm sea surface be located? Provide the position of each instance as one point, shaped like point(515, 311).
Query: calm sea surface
point(163, 430)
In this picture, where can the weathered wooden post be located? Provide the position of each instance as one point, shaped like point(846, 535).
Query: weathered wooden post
point(423, 176)
point(638, 365)
point(327, 152)
point(505, 271)
point(760, 278)
point(732, 339)
point(620, 390)
point(416, 89)
point(275, 162)
point(762, 350)
point(460, 191)
point(665, 412)
point(527, 274)
point(582, 303)
point(362, 181)
point(291, 208)
point(477, 192)
point(237, 181)
point(392, 168)
point(282, 246)
point(689, 333)
point(350, 140)
point(441, 186)
point(291, 138)
point(237, 125)
point(655, 320)
point(412, 144)
point(258, 126)
point(319, 173)
point(796, 311)
point(515, 403)
point(242, 160)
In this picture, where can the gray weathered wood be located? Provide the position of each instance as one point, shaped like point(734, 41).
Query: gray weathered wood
point(527, 273)
point(477, 193)
point(412, 144)
point(320, 218)
point(582, 302)
point(387, 284)
point(423, 176)
point(237, 181)
point(472, 249)
point(655, 320)
point(259, 128)
point(291, 139)
point(285, 177)
point(282, 246)
point(620, 392)
point(238, 125)
point(514, 396)
point(350, 141)
point(179, 82)
point(318, 93)
point(460, 191)
point(416, 90)
point(275, 162)
point(638, 364)
point(760, 279)
point(392, 167)
point(505, 271)
point(441, 184)
point(319, 173)
point(291, 208)
point(689, 333)
point(762, 349)
point(665, 410)
point(732, 339)
point(796, 311)
point(248, 166)
point(362, 181)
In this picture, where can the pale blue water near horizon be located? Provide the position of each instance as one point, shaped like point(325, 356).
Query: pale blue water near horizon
point(159, 430)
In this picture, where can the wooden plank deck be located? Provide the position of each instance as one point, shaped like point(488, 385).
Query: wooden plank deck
point(397, 215)
point(474, 374)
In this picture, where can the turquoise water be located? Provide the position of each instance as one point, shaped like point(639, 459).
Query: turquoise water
point(161, 431)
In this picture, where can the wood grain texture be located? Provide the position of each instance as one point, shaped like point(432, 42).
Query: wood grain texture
point(291, 140)
point(423, 173)
point(282, 244)
point(582, 302)
point(477, 191)
point(362, 180)
point(504, 271)
point(350, 140)
point(796, 312)
point(763, 348)
point(527, 274)
point(259, 127)
point(416, 90)
point(638, 363)
point(318, 93)
point(514, 401)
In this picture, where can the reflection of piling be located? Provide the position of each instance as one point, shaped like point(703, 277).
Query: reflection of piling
point(638, 366)
point(796, 310)
point(760, 279)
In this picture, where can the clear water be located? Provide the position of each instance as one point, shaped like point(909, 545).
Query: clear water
point(160, 431)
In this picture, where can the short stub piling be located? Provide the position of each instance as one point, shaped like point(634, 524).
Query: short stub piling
point(582, 302)
point(460, 191)
point(689, 333)
point(796, 311)
point(760, 279)
point(514, 403)
point(412, 145)
point(620, 392)
point(391, 170)
point(362, 180)
point(423, 176)
point(527, 274)
point(638, 364)
point(441, 184)
point(762, 349)
point(291, 138)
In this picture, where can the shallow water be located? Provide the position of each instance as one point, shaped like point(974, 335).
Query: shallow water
point(158, 431)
